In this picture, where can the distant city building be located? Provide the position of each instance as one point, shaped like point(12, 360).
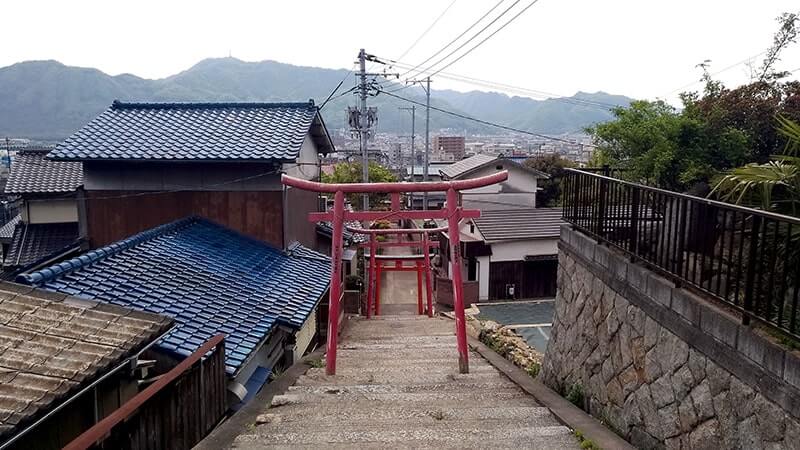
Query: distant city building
point(395, 155)
point(449, 148)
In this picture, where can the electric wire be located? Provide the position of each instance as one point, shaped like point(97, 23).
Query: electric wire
point(427, 69)
point(428, 29)
point(486, 122)
point(485, 39)
point(330, 96)
point(454, 40)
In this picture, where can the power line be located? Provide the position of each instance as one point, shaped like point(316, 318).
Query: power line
point(486, 122)
point(427, 69)
point(485, 39)
point(715, 73)
point(428, 29)
point(454, 40)
point(336, 89)
point(509, 87)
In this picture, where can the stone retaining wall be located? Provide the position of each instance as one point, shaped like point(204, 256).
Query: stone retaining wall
point(661, 366)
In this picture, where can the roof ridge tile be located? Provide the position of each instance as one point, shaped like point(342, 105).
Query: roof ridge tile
point(118, 104)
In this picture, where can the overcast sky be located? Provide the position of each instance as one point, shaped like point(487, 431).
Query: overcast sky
point(643, 49)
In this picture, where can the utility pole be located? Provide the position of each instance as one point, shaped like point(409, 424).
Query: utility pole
point(427, 138)
point(413, 110)
point(362, 124)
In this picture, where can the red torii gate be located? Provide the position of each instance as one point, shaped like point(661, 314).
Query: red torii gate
point(453, 213)
point(423, 269)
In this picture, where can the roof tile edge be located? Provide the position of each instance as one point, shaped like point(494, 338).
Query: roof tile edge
point(39, 277)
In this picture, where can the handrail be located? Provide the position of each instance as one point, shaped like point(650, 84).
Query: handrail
point(400, 187)
point(102, 428)
point(704, 200)
point(744, 257)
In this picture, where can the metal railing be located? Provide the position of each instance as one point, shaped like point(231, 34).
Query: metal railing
point(746, 258)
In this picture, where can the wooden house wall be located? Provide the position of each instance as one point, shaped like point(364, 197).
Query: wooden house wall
point(115, 215)
point(531, 279)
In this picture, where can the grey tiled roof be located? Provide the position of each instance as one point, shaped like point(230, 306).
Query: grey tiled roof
point(52, 345)
point(197, 131)
point(31, 173)
point(520, 224)
point(34, 242)
point(466, 166)
point(7, 230)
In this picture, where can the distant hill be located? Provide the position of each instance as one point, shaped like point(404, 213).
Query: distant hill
point(49, 100)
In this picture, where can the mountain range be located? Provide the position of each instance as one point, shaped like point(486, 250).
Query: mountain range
point(47, 100)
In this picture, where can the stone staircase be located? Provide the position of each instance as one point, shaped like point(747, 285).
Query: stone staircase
point(397, 386)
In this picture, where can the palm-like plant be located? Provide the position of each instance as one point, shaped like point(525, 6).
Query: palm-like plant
point(774, 185)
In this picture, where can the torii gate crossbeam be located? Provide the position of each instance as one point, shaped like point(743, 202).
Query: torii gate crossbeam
point(453, 213)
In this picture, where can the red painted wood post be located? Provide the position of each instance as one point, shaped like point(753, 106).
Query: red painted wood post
point(428, 287)
point(373, 248)
point(378, 289)
point(420, 309)
point(453, 218)
point(336, 282)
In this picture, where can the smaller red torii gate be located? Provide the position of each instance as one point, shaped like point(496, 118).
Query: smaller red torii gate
point(422, 264)
point(453, 213)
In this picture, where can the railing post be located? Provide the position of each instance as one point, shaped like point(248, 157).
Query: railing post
point(683, 210)
point(336, 282)
point(603, 204)
point(749, 282)
point(634, 245)
point(458, 289)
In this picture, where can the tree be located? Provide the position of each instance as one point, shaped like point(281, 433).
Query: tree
point(350, 172)
point(555, 166)
point(660, 146)
point(774, 185)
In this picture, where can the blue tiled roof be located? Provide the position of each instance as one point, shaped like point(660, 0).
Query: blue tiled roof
point(197, 131)
point(209, 278)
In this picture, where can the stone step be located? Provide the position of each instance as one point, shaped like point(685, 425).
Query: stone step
point(399, 378)
point(346, 370)
point(391, 346)
point(401, 354)
point(433, 419)
point(432, 434)
point(401, 388)
point(451, 338)
point(549, 443)
point(410, 364)
point(333, 413)
point(513, 397)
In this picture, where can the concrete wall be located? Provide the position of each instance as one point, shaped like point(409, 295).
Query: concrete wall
point(518, 250)
point(518, 190)
point(50, 211)
point(663, 367)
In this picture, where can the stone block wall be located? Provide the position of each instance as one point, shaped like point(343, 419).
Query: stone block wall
point(661, 366)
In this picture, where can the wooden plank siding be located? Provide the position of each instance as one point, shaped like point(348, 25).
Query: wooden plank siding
point(178, 416)
point(115, 215)
point(531, 279)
